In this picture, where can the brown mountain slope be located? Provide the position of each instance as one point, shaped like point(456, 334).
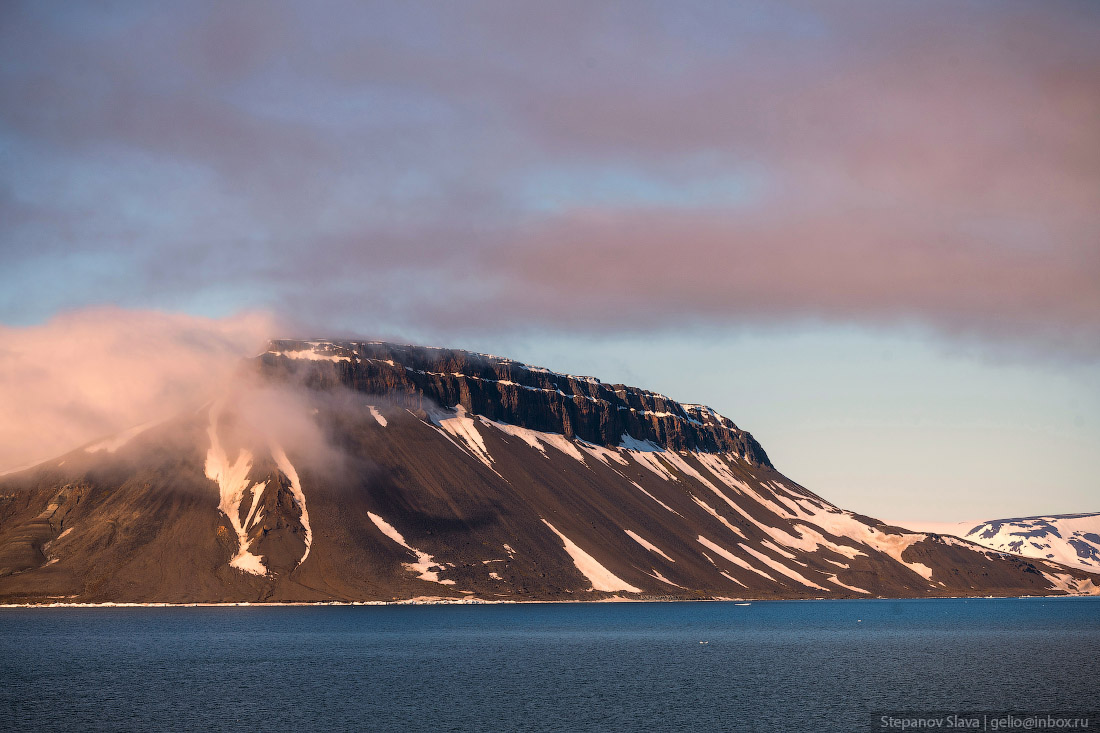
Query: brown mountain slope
point(447, 474)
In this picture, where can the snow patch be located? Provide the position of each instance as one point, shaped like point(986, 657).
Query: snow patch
point(723, 552)
point(115, 442)
point(424, 562)
point(638, 486)
point(463, 427)
point(536, 438)
point(296, 491)
point(232, 481)
point(781, 568)
point(648, 545)
point(1071, 585)
point(657, 576)
point(834, 581)
point(600, 577)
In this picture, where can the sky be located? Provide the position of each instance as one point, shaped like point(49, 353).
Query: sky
point(867, 232)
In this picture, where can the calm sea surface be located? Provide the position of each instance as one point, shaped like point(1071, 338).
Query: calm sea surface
point(770, 666)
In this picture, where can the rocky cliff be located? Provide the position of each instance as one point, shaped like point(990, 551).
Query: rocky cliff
point(511, 392)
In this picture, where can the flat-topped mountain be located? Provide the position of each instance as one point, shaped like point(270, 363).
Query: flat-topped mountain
point(359, 471)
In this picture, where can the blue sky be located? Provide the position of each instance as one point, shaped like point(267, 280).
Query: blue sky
point(866, 233)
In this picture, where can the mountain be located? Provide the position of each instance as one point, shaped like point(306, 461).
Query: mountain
point(1070, 539)
point(357, 471)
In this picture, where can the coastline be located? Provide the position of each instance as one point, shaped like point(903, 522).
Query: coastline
point(441, 601)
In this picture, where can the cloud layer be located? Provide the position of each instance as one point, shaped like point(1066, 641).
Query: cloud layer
point(90, 374)
point(581, 166)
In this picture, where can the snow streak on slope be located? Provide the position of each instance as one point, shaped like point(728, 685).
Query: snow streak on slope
point(780, 567)
point(644, 452)
point(600, 577)
point(638, 486)
point(607, 456)
point(811, 519)
point(731, 557)
point(1072, 586)
point(424, 562)
point(296, 491)
point(115, 442)
point(648, 545)
point(1070, 539)
point(536, 438)
point(657, 576)
point(834, 581)
point(463, 427)
point(232, 480)
point(711, 511)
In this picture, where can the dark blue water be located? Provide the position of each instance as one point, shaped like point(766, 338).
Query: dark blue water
point(776, 666)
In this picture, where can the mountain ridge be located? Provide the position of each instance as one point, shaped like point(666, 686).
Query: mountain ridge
point(532, 397)
point(1071, 539)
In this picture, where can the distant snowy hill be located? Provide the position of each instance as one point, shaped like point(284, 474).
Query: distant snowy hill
point(1070, 539)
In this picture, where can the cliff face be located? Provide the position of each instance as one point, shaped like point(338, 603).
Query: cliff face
point(511, 392)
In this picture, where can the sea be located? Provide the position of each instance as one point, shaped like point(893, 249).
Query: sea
point(843, 665)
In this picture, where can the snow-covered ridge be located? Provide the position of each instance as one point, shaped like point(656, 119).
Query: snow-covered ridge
point(1070, 539)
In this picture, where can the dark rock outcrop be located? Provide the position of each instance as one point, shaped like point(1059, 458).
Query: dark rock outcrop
point(512, 392)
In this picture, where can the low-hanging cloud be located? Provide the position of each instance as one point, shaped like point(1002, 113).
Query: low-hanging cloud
point(88, 374)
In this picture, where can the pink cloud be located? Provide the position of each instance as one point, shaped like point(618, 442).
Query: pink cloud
point(935, 163)
point(640, 269)
point(88, 374)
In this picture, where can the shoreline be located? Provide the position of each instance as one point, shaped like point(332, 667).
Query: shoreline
point(433, 601)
